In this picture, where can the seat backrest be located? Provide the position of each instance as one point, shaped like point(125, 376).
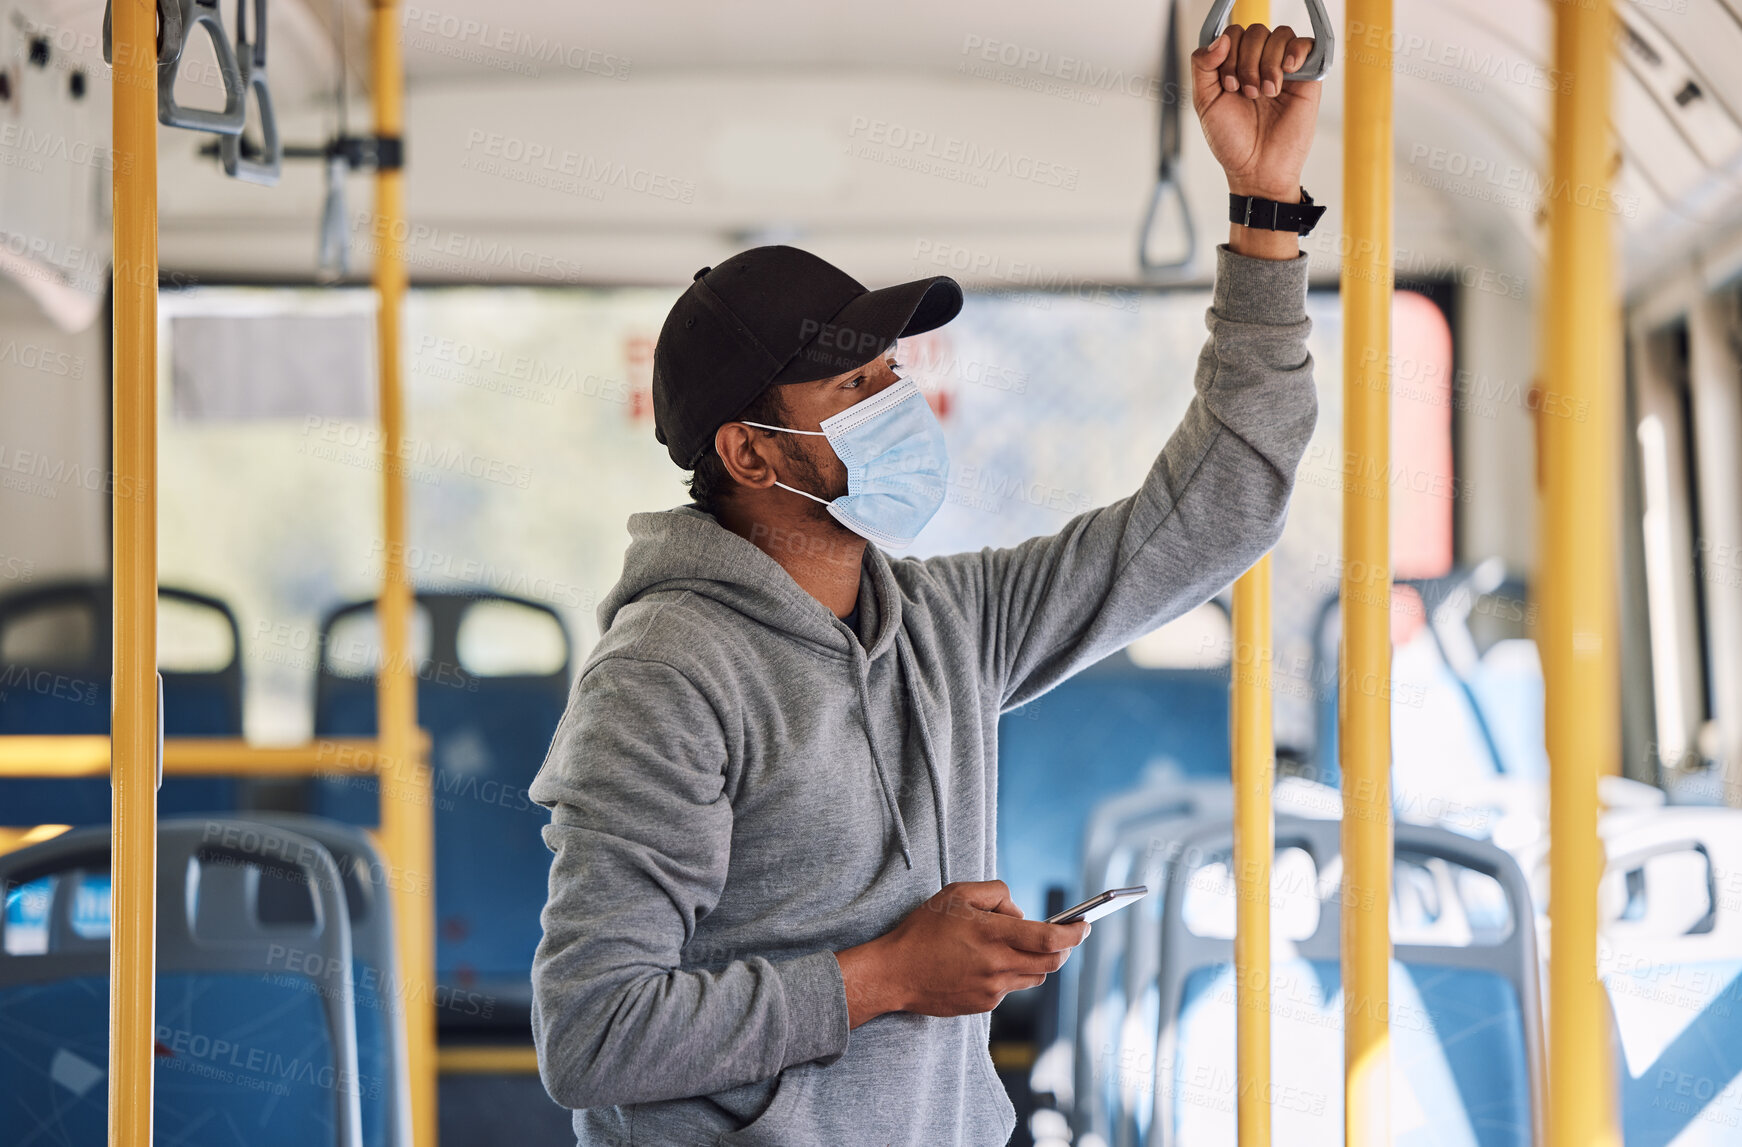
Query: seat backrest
point(1086, 740)
point(55, 656)
point(489, 732)
point(253, 1012)
point(1670, 955)
point(1491, 706)
point(1326, 768)
point(1508, 683)
point(379, 993)
point(75, 619)
point(1106, 995)
point(1464, 1011)
point(1151, 812)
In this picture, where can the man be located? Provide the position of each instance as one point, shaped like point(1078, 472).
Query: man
point(772, 917)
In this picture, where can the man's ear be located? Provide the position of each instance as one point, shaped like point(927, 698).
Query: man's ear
point(747, 454)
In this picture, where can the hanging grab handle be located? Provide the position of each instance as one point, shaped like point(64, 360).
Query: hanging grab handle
point(169, 37)
point(1168, 150)
point(334, 256)
point(1163, 187)
point(195, 13)
point(263, 169)
point(1318, 61)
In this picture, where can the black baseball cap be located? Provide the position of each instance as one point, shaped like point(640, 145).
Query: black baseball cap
point(768, 316)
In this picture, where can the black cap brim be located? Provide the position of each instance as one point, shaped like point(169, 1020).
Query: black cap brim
point(864, 328)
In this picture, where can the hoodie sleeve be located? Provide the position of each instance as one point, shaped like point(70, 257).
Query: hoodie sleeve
point(1212, 504)
point(641, 828)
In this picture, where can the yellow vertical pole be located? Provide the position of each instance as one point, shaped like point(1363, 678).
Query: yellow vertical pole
point(1577, 576)
point(134, 731)
point(407, 828)
point(1364, 713)
point(1252, 739)
point(1254, 846)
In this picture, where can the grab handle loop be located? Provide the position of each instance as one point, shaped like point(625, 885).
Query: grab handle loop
point(169, 37)
point(170, 113)
point(1318, 61)
point(1169, 147)
point(264, 168)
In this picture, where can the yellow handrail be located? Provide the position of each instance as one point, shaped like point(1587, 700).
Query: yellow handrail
point(133, 867)
point(1363, 700)
point(1577, 578)
point(487, 1059)
point(13, 838)
point(1253, 746)
point(67, 757)
point(407, 825)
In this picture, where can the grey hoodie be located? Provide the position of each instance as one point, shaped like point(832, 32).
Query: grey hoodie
point(740, 788)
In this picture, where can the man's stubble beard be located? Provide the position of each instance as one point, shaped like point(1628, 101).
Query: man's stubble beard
point(809, 477)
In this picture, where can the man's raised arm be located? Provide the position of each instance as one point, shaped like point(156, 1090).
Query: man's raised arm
point(1216, 497)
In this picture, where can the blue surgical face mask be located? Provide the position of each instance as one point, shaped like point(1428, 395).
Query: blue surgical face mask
point(893, 448)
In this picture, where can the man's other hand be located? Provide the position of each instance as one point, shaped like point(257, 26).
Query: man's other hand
point(959, 953)
point(1258, 123)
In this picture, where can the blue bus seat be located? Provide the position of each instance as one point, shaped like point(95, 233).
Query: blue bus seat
point(381, 997)
point(1466, 1032)
point(1455, 1071)
point(68, 691)
point(1670, 956)
point(1508, 683)
point(1091, 736)
point(1490, 704)
point(255, 1037)
point(1128, 839)
point(1110, 992)
point(489, 735)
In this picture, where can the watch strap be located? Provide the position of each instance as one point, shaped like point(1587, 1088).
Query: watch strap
point(1269, 215)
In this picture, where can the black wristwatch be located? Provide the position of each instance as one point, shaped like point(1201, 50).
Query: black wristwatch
point(1269, 215)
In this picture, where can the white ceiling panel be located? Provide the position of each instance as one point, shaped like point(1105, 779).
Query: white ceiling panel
point(754, 108)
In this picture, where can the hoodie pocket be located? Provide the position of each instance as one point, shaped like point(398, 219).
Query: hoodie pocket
point(773, 1127)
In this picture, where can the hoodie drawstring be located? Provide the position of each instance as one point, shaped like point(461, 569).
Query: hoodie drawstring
point(905, 653)
point(889, 801)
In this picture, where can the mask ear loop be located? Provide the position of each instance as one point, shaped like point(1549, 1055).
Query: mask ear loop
point(812, 497)
point(782, 429)
point(790, 430)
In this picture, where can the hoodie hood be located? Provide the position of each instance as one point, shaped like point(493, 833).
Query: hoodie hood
point(686, 549)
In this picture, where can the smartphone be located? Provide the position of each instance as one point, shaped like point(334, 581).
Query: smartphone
point(1100, 905)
